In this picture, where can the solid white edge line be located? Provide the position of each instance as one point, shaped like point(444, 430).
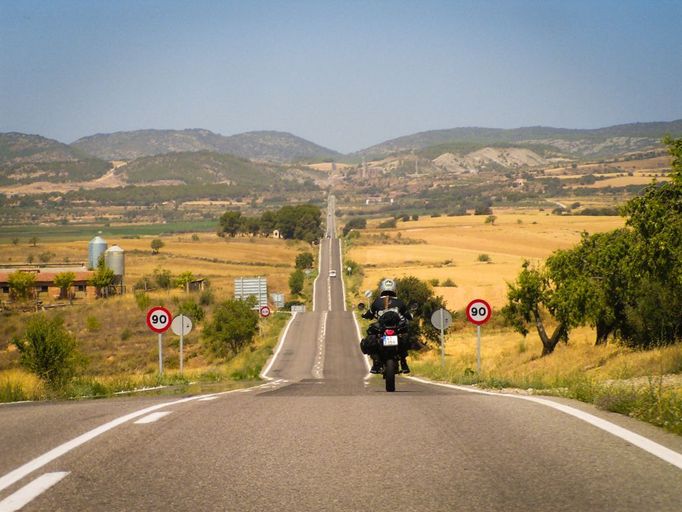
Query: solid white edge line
point(642, 442)
point(319, 273)
point(30, 491)
point(17, 474)
point(343, 283)
point(278, 348)
point(151, 418)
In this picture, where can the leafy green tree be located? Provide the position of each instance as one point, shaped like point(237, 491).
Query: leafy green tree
point(304, 260)
point(33, 241)
point(163, 278)
point(183, 280)
point(102, 278)
point(232, 327)
point(191, 309)
point(15, 241)
point(22, 285)
point(156, 245)
point(230, 223)
point(48, 350)
point(526, 297)
point(296, 281)
point(354, 223)
point(64, 280)
point(268, 223)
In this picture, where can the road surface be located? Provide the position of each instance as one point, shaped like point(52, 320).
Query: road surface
point(320, 435)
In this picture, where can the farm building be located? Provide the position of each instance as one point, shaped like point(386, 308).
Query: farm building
point(44, 280)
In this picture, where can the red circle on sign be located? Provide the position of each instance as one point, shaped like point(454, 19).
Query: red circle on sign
point(265, 311)
point(478, 311)
point(159, 319)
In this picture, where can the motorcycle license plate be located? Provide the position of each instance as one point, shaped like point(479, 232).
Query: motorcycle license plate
point(390, 341)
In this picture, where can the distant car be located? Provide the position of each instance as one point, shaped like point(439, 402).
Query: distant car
point(332, 273)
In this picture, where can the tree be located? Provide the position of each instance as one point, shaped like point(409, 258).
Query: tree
point(304, 260)
point(230, 223)
point(354, 223)
point(102, 278)
point(163, 278)
point(526, 298)
point(33, 241)
point(48, 350)
point(156, 245)
point(183, 280)
point(15, 241)
point(268, 222)
point(22, 284)
point(64, 280)
point(233, 326)
point(296, 280)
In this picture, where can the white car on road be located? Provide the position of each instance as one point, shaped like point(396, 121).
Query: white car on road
point(332, 273)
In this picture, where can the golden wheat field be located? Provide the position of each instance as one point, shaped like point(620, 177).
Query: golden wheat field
point(450, 248)
point(218, 259)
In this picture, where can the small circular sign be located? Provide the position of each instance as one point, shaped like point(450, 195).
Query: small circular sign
point(478, 311)
point(265, 311)
point(441, 319)
point(159, 319)
point(181, 325)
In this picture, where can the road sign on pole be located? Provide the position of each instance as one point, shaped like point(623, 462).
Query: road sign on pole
point(478, 313)
point(159, 320)
point(441, 319)
point(264, 311)
point(182, 326)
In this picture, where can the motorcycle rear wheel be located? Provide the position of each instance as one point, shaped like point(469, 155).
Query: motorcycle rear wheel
point(389, 375)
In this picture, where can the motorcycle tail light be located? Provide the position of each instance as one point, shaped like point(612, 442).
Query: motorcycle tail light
point(390, 332)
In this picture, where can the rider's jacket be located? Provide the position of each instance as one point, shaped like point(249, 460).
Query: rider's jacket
point(387, 303)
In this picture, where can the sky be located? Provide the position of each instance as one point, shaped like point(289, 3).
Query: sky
point(344, 74)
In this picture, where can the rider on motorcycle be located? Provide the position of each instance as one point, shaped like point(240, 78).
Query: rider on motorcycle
point(387, 301)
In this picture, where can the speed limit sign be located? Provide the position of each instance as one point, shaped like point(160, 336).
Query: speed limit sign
point(478, 311)
point(264, 311)
point(159, 319)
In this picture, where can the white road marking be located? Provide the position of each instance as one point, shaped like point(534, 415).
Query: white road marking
point(151, 418)
point(318, 367)
point(343, 284)
point(319, 273)
point(278, 348)
point(208, 398)
point(31, 491)
point(642, 442)
point(14, 476)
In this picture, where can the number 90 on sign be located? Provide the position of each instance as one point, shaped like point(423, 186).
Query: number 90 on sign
point(159, 319)
point(478, 312)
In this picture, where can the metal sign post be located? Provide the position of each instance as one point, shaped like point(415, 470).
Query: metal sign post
point(478, 313)
point(441, 319)
point(159, 320)
point(182, 326)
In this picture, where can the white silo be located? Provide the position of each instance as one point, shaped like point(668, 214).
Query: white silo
point(114, 258)
point(96, 248)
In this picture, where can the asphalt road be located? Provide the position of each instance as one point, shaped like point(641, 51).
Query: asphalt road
point(320, 435)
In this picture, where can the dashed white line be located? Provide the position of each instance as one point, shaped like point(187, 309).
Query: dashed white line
point(151, 418)
point(31, 491)
point(318, 367)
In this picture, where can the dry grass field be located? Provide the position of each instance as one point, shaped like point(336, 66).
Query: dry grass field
point(453, 246)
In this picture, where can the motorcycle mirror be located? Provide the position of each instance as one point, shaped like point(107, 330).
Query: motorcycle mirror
point(414, 307)
point(361, 306)
point(368, 294)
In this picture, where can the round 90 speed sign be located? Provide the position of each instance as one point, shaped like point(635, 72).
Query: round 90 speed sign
point(478, 311)
point(159, 319)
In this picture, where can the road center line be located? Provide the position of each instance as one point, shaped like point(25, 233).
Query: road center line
point(155, 416)
point(31, 491)
point(642, 442)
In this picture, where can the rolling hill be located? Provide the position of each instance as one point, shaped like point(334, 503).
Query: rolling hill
point(258, 145)
point(29, 158)
point(595, 143)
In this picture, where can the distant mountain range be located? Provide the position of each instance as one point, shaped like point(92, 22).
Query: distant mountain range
point(592, 143)
point(202, 157)
point(269, 146)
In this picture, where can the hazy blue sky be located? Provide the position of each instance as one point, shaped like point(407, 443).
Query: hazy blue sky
point(343, 74)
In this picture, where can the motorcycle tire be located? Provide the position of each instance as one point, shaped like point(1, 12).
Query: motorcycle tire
point(389, 375)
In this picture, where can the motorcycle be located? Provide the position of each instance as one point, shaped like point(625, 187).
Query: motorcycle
point(390, 333)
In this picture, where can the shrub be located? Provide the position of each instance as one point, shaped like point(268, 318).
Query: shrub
point(93, 324)
point(389, 224)
point(195, 237)
point(142, 300)
point(233, 326)
point(206, 297)
point(126, 334)
point(304, 260)
point(449, 283)
point(191, 309)
point(296, 280)
point(434, 282)
point(485, 258)
point(48, 350)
